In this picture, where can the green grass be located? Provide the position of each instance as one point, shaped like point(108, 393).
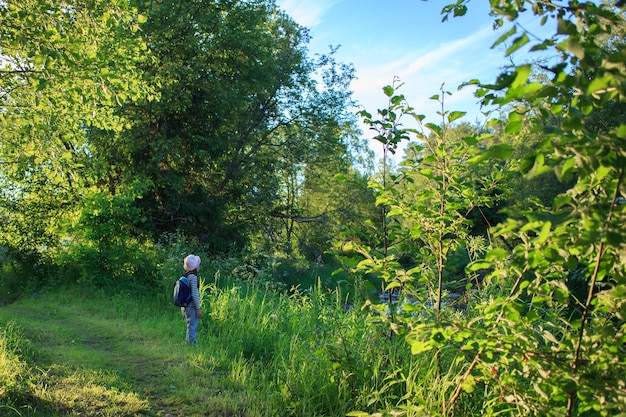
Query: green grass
point(261, 353)
point(111, 357)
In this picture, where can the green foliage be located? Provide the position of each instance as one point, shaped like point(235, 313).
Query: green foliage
point(119, 124)
point(105, 250)
point(315, 358)
point(427, 206)
point(579, 231)
point(12, 280)
point(220, 151)
point(261, 353)
point(318, 189)
point(539, 328)
point(543, 335)
point(65, 69)
point(445, 176)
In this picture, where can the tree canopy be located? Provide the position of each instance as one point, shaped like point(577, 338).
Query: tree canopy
point(121, 123)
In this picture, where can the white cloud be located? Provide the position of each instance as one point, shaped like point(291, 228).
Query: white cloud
point(307, 13)
point(423, 73)
point(456, 59)
point(416, 49)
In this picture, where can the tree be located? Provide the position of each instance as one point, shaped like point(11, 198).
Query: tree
point(321, 143)
point(240, 114)
point(427, 205)
point(65, 68)
point(223, 70)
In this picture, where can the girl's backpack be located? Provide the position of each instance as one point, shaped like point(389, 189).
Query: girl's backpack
point(182, 292)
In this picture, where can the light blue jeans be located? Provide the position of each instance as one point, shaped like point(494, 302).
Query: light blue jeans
point(191, 319)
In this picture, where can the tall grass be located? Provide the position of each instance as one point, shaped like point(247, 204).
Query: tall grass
point(263, 351)
point(13, 370)
point(311, 357)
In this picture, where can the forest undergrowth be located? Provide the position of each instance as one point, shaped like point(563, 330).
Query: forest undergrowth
point(261, 353)
point(264, 350)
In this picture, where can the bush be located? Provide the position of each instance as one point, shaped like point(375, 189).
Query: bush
point(10, 283)
point(23, 273)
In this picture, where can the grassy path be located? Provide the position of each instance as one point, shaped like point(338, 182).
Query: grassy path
point(119, 358)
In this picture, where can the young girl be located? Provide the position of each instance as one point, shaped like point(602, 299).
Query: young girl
point(193, 311)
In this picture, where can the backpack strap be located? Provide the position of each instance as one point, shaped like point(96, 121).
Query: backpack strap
point(194, 272)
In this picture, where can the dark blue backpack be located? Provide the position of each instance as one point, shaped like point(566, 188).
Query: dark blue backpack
point(182, 292)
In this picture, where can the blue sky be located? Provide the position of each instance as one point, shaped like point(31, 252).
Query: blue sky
point(405, 39)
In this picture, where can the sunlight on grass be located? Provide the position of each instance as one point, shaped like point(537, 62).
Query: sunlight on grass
point(13, 370)
point(91, 393)
point(260, 354)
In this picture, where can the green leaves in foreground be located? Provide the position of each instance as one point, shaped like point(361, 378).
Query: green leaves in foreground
point(542, 326)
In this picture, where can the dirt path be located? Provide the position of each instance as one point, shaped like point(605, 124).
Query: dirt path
point(87, 362)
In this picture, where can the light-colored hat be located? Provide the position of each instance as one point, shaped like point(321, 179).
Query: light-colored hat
point(192, 262)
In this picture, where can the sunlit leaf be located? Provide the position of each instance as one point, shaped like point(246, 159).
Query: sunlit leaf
point(602, 172)
point(561, 200)
point(417, 346)
point(497, 151)
point(517, 44)
point(455, 115)
point(513, 127)
point(505, 36)
point(470, 140)
point(427, 172)
point(567, 169)
point(395, 212)
point(436, 129)
point(477, 266)
point(545, 233)
point(521, 75)
point(599, 83)
point(469, 384)
point(496, 254)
